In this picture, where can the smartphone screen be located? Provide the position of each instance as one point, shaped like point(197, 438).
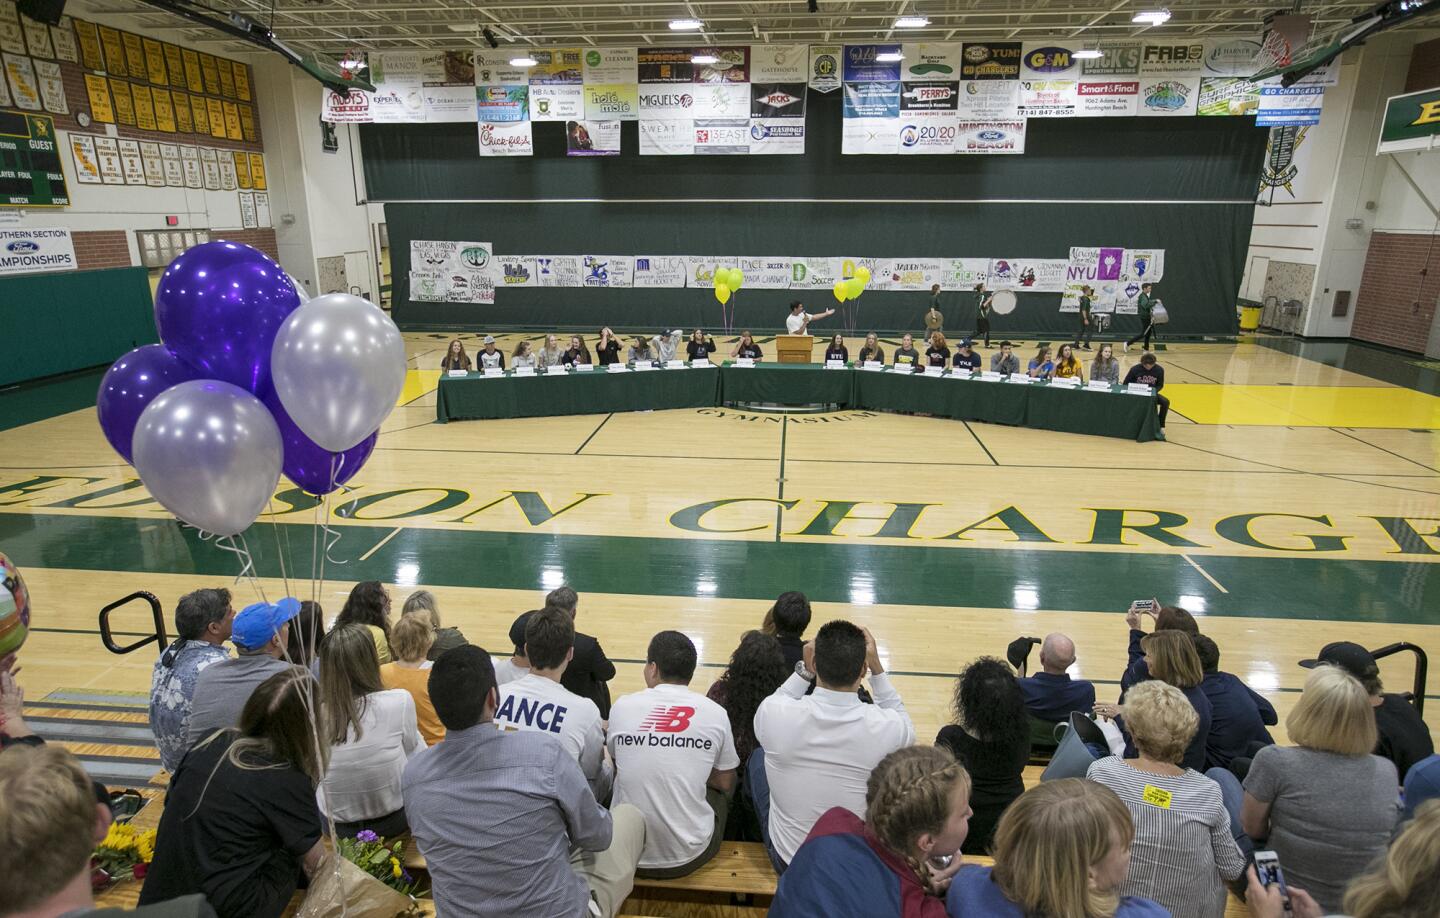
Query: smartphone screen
point(1267, 867)
point(1144, 605)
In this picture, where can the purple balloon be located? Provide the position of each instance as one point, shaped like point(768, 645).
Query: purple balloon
point(130, 384)
point(218, 308)
point(307, 463)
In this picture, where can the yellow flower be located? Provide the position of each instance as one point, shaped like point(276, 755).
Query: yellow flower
point(395, 868)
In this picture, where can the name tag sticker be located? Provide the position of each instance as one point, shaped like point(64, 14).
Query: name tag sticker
point(1156, 796)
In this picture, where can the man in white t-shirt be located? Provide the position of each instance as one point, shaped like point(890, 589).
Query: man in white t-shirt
point(817, 751)
point(675, 761)
point(538, 702)
point(799, 320)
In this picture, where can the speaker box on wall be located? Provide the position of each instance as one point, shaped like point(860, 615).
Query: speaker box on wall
point(47, 11)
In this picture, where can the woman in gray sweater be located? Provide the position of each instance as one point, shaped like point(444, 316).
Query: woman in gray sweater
point(1105, 367)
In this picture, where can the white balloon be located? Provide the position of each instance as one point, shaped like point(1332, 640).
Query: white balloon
point(338, 365)
point(299, 289)
point(210, 453)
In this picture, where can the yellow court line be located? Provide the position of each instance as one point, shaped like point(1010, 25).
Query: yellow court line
point(1306, 406)
point(418, 383)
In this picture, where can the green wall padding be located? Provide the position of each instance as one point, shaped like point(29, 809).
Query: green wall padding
point(65, 321)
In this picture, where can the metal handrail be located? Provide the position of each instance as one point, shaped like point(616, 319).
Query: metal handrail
point(1422, 666)
point(157, 636)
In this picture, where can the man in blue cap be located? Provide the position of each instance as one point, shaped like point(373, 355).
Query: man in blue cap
point(259, 633)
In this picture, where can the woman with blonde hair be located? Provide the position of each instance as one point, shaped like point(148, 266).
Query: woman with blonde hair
point(1170, 656)
point(551, 354)
point(900, 859)
point(1407, 883)
point(1062, 850)
point(1183, 846)
point(746, 347)
point(411, 641)
point(422, 602)
point(522, 356)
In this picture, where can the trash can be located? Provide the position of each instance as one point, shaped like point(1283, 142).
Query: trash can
point(1249, 318)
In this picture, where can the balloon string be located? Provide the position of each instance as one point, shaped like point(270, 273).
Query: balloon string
point(331, 543)
point(228, 543)
point(280, 552)
point(250, 568)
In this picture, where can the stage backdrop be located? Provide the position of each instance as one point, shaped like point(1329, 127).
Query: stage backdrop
point(1184, 185)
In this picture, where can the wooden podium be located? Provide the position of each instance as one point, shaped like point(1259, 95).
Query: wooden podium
point(795, 348)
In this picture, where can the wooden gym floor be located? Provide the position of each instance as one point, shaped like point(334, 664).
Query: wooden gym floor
point(1296, 502)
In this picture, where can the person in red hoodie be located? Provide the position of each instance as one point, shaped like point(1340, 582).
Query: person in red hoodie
point(899, 860)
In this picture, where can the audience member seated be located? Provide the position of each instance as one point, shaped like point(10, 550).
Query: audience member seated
point(1404, 737)
point(538, 702)
point(1326, 805)
point(202, 626)
point(489, 357)
point(589, 670)
point(965, 356)
point(899, 859)
point(455, 358)
point(699, 347)
point(413, 638)
point(757, 668)
point(306, 629)
point(371, 731)
point(1062, 849)
point(1004, 361)
point(1422, 784)
point(517, 664)
point(523, 356)
point(905, 355)
point(674, 760)
point(260, 633)
point(50, 824)
point(991, 738)
point(747, 348)
point(1167, 618)
point(837, 350)
point(640, 351)
point(1051, 695)
point(1407, 883)
point(576, 353)
point(1105, 368)
point(607, 348)
point(817, 750)
point(1170, 657)
point(422, 602)
point(1184, 846)
point(549, 849)
point(369, 604)
point(786, 621)
point(871, 350)
point(1238, 715)
point(241, 824)
point(551, 354)
point(1041, 366)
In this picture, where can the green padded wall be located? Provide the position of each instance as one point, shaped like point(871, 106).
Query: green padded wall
point(72, 320)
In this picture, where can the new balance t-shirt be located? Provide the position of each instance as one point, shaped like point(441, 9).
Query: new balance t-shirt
point(665, 741)
point(541, 705)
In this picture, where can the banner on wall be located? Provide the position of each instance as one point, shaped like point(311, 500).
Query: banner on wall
point(32, 251)
point(766, 273)
point(813, 272)
point(1178, 58)
point(1140, 266)
point(1048, 98)
point(1227, 96)
point(700, 270)
point(965, 273)
point(606, 270)
point(669, 137)
point(517, 271)
point(779, 63)
point(990, 60)
point(932, 61)
point(557, 85)
point(452, 272)
point(558, 270)
point(660, 271)
point(915, 273)
point(990, 137)
point(824, 72)
point(1231, 57)
point(610, 91)
point(988, 100)
point(1294, 105)
point(1169, 96)
point(1097, 267)
point(592, 138)
point(1113, 98)
point(512, 139)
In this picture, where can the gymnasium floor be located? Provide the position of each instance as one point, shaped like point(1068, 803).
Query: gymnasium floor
point(1296, 502)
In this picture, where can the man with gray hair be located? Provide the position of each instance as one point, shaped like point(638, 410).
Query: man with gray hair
point(590, 669)
point(1050, 695)
point(202, 625)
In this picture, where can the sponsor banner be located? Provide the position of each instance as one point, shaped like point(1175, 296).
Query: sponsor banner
point(662, 271)
point(779, 63)
point(665, 65)
point(1119, 60)
point(915, 273)
point(990, 60)
point(990, 137)
point(931, 61)
point(784, 137)
point(556, 102)
point(592, 138)
point(722, 100)
point(659, 103)
point(671, 137)
point(814, 273)
point(1327, 74)
point(353, 108)
point(771, 273)
point(502, 104)
point(700, 270)
point(447, 85)
point(398, 96)
point(512, 139)
point(516, 271)
point(824, 72)
point(1231, 57)
point(872, 100)
point(926, 133)
point(610, 66)
point(492, 68)
point(557, 66)
point(1169, 95)
point(869, 135)
point(989, 100)
point(607, 270)
point(1228, 96)
point(1045, 60)
point(861, 64)
point(612, 101)
point(929, 96)
point(965, 273)
point(777, 100)
point(1178, 58)
point(732, 65)
point(722, 136)
point(1109, 99)
point(1048, 98)
point(1412, 122)
point(1292, 105)
point(558, 270)
point(37, 250)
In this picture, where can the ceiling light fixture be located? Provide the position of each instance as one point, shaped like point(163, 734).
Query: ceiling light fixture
point(686, 25)
point(889, 57)
point(522, 62)
point(1151, 17)
point(703, 59)
point(911, 22)
point(1088, 54)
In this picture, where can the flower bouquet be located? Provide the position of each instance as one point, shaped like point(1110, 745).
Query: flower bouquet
point(125, 853)
point(366, 874)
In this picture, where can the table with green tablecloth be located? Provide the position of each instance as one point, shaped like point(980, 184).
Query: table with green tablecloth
point(1114, 413)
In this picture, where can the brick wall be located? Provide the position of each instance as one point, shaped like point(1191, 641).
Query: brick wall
point(262, 239)
point(1386, 309)
point(1424, 66)
point(101, 249)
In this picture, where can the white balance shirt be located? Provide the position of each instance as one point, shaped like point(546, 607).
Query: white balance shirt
point(363, 781)
point(542, 705)
point(507, 671)
point(820, 750)
point(665, 741)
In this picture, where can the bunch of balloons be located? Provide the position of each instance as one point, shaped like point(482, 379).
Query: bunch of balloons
point(252, 378)
point(727, 281)
point(851, 287)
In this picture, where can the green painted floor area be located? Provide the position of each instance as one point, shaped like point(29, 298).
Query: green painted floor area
point(1313, 588)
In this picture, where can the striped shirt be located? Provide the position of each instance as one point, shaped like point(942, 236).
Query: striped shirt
point(1183, 846)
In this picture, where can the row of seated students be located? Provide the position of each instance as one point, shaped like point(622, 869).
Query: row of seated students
point(856, 818)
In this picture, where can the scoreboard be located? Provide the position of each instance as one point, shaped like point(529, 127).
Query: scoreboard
point(30, 172)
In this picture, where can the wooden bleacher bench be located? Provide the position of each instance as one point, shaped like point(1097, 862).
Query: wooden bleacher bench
point(738, 867)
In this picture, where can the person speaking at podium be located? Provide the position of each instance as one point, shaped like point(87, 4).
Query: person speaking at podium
point(799, 319)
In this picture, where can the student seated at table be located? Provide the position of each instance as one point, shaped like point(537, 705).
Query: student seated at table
point(490, 357)
point(666, 344)
point(1105, 368)
point(640, 351)
point(699, 347)
point(746, 347)
point(1005, 361)
point(1068, 365)
point(1041, 365)
point(837, 350)
point(577, 353)
point(965, 356)
point(905, 354)
point(551, 354)
point(938, 353)
point(522, 356)
point(607, 349)
point(456, 358)
point(1149, 372)
point(871, 351)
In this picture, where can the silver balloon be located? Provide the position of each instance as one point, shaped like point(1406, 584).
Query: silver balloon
point(338, 365)
point(299, 288)
point(210, 453)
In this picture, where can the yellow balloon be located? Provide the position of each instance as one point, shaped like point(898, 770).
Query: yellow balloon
point(854, 287)
point(722, 293)
point(737, 278)
point(842, 292)
point(862, 274)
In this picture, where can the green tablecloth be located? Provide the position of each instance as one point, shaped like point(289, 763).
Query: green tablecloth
point(1045, 407)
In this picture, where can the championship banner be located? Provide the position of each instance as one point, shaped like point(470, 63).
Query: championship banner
point(592, 138)
point(31, 251)
point(825, 67)
point(660, 271)
point(991, 60)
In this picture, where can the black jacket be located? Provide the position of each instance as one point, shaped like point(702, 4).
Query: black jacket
point(588, 672)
